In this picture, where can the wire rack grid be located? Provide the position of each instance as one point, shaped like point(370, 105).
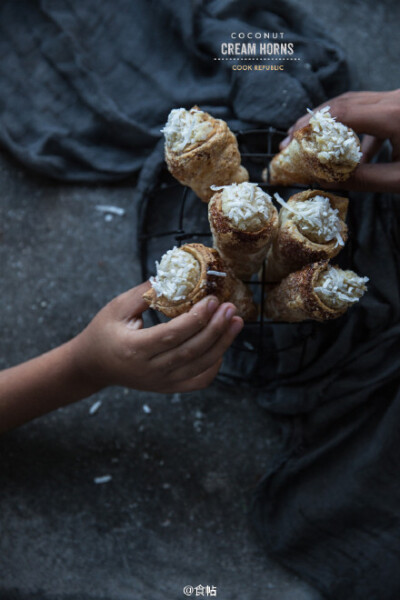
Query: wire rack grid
point(170, 215)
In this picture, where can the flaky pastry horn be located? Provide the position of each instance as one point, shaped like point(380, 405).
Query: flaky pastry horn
point(186, 275)
point(318, 291)
point(201, 151)
point(311, 228)
point(243, 222)
point(322, 151)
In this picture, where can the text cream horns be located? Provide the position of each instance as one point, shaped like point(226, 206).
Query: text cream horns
point(257, 43)
point(257, 49)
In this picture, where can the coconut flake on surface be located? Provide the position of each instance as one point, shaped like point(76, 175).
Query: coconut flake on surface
point(246, 206)
point(338, 288)
point(216, 273)
point(315, 218)
point(102, 479)
point(334, 140)
point(186, 127)
point(95, 407)
point(111, 210)
point(177, 274)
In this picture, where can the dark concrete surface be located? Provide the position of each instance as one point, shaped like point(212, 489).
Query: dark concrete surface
point(368, 32)
point(175, 512)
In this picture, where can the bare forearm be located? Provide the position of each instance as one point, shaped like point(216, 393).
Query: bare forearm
point(41, 385)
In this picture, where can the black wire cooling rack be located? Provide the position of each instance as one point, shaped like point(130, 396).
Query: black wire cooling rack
point(171, 215)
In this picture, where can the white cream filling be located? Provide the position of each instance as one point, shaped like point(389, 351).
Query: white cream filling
point(178, 273)
point(316, 219)
point(334, 140)
point(338, 288)
point(186, 127)
point(246, 206)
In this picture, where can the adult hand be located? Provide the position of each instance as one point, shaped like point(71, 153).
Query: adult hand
point(377, 115)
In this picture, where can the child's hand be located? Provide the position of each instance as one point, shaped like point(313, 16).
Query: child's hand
point(182, 355)
point(179, 356)
point(376, 114)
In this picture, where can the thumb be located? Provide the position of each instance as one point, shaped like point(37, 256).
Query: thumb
point(131, 303)
point(286, 141)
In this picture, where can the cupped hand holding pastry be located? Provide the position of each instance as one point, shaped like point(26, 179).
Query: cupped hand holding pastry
point(377, 115)
point(182, 355)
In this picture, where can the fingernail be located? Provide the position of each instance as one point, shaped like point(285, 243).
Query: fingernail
point(212, 306)
point(229, 313)
point(135, 323)
point(285, 142)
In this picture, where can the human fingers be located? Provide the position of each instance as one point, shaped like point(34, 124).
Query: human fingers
point(211, 356)
point(299, 124)
point(366, 112)
point(199, 343)
point(344, 108)
point(135, 323)
point(200, 382)
point(395, 141)
point(373, 178)
point(370, 146)
point(130, 304)
point(374, 119)
point(203, 380)
point(166, 336)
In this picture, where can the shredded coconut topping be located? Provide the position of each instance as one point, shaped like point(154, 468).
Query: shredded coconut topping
point(177, 274)
point(247, 207)
point(316, 219)
point(334, 140)
point(338, 288)
point(186, 127)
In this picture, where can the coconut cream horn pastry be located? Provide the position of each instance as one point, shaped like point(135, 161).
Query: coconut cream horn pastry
point(186, 275)
point(243, 222)
point(318, 291)
point(201, 151)
point(311, 228)
point(324, 150)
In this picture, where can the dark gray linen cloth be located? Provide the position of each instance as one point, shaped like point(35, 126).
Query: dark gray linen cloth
point(85, 88)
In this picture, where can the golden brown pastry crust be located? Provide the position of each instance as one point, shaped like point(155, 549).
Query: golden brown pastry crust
point(224, 288)
point(298, 163)
point(294, 298)
point(291, 249)
point(242, 251)
point(215, 161)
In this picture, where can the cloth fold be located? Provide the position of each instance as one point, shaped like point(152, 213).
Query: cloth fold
point(85, 89)
point(87, 86)
point(330, 512)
